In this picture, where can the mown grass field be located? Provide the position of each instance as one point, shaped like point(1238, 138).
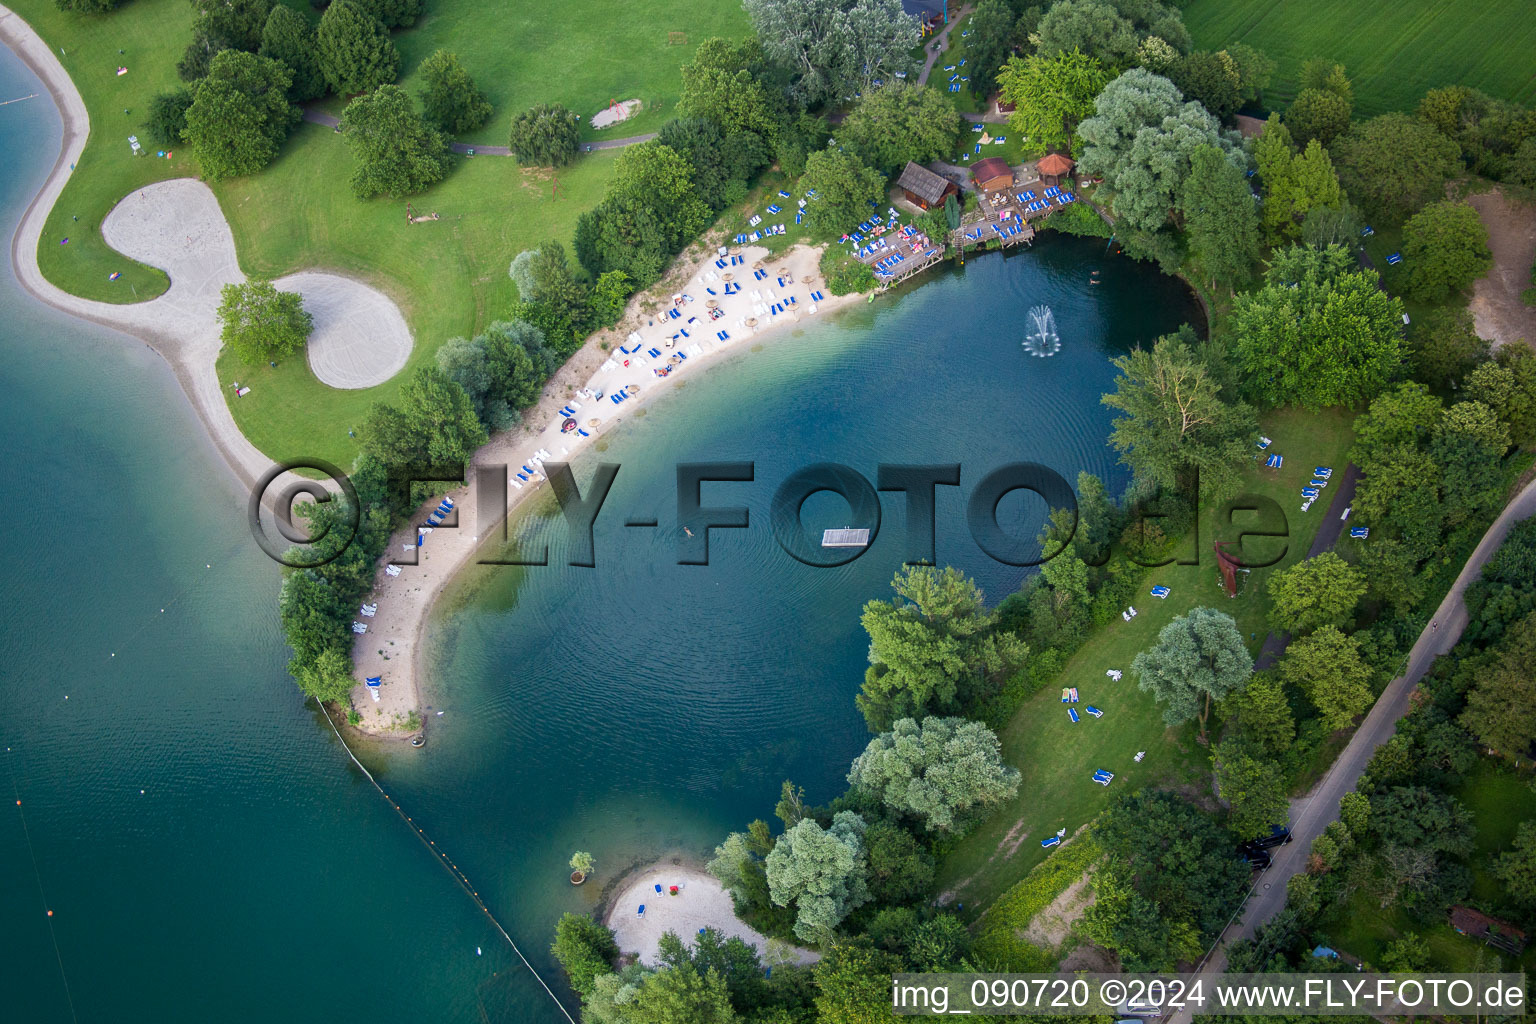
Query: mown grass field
point(1394, 52)
point(449, 277)
point(1058, 758)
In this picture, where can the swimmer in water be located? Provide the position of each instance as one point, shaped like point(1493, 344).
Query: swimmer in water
point(688, 531)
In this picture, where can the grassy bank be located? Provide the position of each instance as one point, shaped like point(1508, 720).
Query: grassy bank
point(1058, 758)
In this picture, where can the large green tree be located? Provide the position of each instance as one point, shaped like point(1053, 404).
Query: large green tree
point(933, 648)
point(821, 872)
point(835, 48)
point(853, 983)
point(1320, 591)
point(730, 83)
point(1295, 184)
point(1111, 30)
point(1501, 706)
point(936, 772)
point(239, 115)
point(1198, 658)
point(1443, 346)
point(1470, 443)
point(1328, 667)
point(1259, 716)
point(1176, 424)
point(1516, 867)
point(1219, 216)
point(450, 99)
point(1254, 789)
point(355, 51)
point(434, 423)
point(1445, 249)
point(1508, 387)
point(260, 323)
point(1393, 164)
point(1142, 139)
point(393, 13)
point(992, 42)
point(1320, 332)
point(397, 152)
point(219, 25)
point(584, 948)
point(545, 136)
point(1051, 94)
point(1318, 115)
point(900, 122)
point(288, 37)
point(845, 187)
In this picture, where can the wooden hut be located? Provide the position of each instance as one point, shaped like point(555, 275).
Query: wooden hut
point(924, 187)
point(992, 174)
point(1477, 925)
point(1053, 168)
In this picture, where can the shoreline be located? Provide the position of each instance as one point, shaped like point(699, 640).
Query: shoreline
point(408, 600)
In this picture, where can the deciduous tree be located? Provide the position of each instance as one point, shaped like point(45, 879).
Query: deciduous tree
point(1443, 346)
point(451, 100)
point(900, 122)
point(1393, 164)
point(936, 771)
point(1328, 668)
point(584, 948)
point(822, 872)
point(932, 648)
point(1320, 591)
point(1253, 789)
point(239, 115)
point(397, 152)
point(1051, 94)
point(1218, 211)
point(1445, 249)
point(260, 323)
point(1198, 658)
point(835, 48)
point(1318, 333)
point(845, 188)
point(1176, 424)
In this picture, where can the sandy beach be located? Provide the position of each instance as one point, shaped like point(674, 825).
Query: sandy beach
point(393, 646)
point(701, 902)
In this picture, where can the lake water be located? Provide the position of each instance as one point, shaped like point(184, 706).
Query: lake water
point(206, 848)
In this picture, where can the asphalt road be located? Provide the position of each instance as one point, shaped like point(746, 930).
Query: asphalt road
point(1312, 813)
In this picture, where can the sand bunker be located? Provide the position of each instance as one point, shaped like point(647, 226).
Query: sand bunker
point(615, 113)
point(359, 339)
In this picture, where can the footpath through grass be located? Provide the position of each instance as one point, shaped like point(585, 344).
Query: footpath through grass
point(1394, 51)
point(1058, 758)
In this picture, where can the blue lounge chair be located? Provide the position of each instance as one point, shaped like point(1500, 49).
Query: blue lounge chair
point(1319, 483)
point(783, 193)
point(1367, 231)
point(1264, 443)
point(1310, 492)
point(1359, 532)
point(1323, 471)
point(374, 679)
point(1394, 259)
point(1095, 712)
point(642, 911)
point(1053, 841)
point(1274, 461)
point(1072, 714)
point(1160, 591)
point(582, 432)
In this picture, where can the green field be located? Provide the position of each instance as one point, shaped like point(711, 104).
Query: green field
point(449, 277)
point(1394, 52)
point(1058, 758)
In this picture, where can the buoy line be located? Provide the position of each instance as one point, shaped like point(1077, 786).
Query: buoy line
point(452, 868)
point(42, 895)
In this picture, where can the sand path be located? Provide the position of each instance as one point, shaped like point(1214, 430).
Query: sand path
point(701, 902)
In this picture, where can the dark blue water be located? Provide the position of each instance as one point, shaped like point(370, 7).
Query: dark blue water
point(638, 709)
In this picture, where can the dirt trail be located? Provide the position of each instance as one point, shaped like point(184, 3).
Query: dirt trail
point(1498, 312)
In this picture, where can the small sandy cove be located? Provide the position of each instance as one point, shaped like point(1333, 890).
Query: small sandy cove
point(701, 902)
point(391, 649)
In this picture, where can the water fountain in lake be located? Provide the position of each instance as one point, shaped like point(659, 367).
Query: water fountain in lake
point(1042, 339)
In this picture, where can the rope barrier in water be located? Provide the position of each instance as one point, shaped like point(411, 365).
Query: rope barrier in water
point(43, 896)
point(452, 868)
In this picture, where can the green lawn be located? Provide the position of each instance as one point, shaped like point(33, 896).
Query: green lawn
point(1363, 928)
point(1058, 758)
point(582, 53)
point(1500, 798)
point(449, 276)
point(1394, 52)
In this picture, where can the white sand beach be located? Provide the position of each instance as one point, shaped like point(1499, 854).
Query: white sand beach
point(393, 645)
point(701, 902)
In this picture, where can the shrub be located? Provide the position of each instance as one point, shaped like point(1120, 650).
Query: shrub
point(845, 275)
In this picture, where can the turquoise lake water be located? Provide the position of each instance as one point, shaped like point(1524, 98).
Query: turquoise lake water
point(639, 709)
